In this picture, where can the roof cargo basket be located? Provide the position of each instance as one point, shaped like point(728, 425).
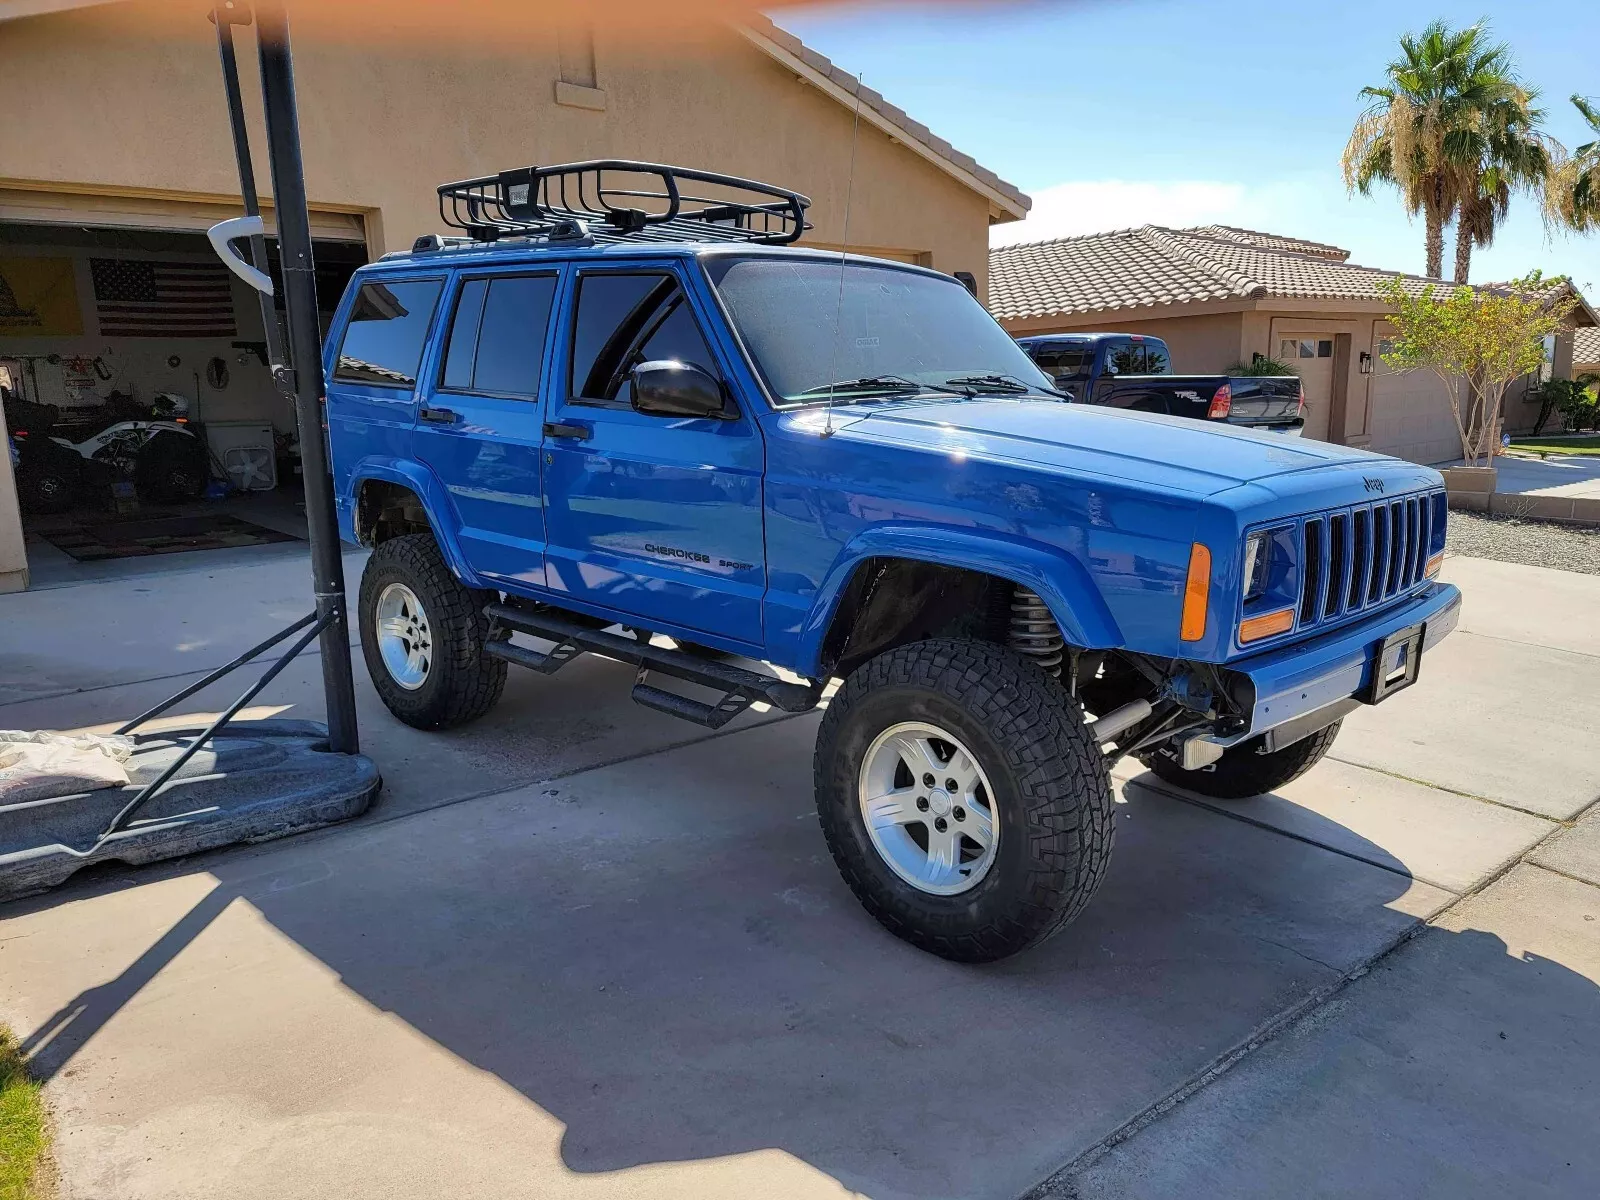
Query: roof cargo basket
point(615, 200)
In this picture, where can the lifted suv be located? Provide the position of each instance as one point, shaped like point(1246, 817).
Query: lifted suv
point(625, 420)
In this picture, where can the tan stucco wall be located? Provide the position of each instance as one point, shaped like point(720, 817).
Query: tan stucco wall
point(89, 102)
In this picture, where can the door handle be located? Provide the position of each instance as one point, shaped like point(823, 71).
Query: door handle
point(565, 429)
point(438, 416)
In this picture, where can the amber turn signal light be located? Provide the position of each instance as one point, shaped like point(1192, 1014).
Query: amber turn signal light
point(1253, 629)
point(1196, 590)
point(1434, 564)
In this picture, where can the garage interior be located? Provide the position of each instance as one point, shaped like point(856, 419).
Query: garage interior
point(141, 413)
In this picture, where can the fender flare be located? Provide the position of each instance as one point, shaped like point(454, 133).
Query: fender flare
point(1059, 579)
point(425, 485)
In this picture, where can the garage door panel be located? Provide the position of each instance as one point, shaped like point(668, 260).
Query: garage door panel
point(1410, 417)
point(43, 207)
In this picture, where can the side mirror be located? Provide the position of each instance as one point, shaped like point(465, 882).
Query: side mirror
point(668, 388)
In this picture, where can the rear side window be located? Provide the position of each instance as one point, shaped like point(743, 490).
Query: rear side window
point(1156, 360)
point(388, 326)
point(1066, 361)
point(497, 336)
point(624, 320)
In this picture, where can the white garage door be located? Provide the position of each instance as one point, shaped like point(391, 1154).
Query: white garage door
point(1409, 416)
point(1311, 356)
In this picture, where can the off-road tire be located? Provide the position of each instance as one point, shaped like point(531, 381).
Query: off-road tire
point(172, 468)
point(1051, 791)
point(46, 490)
point(1243, 771)
point(462, 682)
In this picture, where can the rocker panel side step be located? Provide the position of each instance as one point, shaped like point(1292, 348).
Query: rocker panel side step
point(740, 687)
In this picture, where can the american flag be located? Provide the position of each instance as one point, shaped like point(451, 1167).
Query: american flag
point(146, 298)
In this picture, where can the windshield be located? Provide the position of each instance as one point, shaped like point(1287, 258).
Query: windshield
point(902, 331)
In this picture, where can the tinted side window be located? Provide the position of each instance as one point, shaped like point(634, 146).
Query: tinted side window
point(1064, 362)
point(1156, 360)
point(624, 320)
point(388, 326)
point(1124, 358)
point(497, 337)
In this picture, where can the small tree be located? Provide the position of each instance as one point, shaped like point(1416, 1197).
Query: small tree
point(1478, 341)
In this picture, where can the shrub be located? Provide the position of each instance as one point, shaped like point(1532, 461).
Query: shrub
point(1261, 365)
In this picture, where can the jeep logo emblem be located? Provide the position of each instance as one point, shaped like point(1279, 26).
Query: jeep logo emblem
point(1372, 485)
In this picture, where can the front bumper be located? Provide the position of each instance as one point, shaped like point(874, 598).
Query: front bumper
point(1292, 682)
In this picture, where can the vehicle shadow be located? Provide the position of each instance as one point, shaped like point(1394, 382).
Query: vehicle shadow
point(671, 967)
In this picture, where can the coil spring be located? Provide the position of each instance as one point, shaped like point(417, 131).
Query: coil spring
point(1034, 631)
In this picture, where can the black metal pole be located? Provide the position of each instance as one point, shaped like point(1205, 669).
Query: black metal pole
point(305, 353)
point(226, 16)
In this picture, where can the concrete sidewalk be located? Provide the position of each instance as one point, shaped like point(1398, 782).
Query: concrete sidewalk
point(581, 949)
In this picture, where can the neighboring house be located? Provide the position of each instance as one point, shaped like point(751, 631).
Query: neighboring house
point(116, 147)
point(1219, 295)
point(1585, 352)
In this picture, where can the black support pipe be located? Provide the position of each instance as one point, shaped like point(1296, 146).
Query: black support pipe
point(226, 16)
point(305, 353)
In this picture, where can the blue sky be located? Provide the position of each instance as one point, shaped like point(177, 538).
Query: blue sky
point(1115, 114)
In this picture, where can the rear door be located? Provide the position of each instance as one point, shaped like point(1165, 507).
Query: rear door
point(479, 425)
point(372, 386)
point(654, 517)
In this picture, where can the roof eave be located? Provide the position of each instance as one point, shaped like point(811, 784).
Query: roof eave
point(1006, 203)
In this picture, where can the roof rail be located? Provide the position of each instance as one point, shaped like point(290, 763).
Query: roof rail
point(617, 200)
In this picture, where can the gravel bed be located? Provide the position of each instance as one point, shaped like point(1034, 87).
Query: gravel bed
point(1532, 543)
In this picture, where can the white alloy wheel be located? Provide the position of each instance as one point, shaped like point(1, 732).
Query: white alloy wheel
point(404, 639)
point(928, 808)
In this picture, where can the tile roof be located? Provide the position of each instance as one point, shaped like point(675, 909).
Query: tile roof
point(906, 128)
point(1154, 266)
point(1586, 346)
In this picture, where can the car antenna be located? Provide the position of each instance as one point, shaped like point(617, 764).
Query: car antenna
point(844, 251)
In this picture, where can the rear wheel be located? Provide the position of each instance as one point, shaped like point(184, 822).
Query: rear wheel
point(172, 468)
point(422, 635)
point(1247, 769)
point(963, 798)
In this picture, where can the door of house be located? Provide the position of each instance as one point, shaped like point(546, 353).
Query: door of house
point(1311, 356)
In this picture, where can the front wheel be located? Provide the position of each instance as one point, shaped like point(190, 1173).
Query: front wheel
point(422, 634)
point(963, 798)
point(1248, 769)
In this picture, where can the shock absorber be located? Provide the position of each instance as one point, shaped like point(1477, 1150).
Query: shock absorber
point(1034, 632)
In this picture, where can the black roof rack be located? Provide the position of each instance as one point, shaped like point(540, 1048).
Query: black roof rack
point(616, 200)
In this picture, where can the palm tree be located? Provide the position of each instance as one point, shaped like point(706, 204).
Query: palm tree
point(1423, 130)
point(1509, 154)
point(1573, 199)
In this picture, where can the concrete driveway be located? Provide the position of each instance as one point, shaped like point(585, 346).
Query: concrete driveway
point(582, 949)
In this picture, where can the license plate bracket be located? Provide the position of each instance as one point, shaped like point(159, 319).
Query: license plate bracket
point(1395, 663)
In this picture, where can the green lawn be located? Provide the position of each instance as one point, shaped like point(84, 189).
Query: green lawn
point(1577, 445)
point(22, 1137)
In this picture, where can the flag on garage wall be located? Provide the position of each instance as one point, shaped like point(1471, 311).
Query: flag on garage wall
point(39, 298)
point(139, 297)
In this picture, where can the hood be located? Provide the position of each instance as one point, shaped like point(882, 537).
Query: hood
point(1168, 453)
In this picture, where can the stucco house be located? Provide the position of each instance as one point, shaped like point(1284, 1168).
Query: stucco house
point(1219, 295)
point(117, 150)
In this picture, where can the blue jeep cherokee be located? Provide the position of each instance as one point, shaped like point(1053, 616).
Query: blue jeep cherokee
point(624, 419)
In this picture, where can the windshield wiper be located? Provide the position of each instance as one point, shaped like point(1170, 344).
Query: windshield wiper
point(887, 384)
point(1008, 385)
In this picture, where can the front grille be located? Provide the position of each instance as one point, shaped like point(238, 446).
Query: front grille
point(1357, 558)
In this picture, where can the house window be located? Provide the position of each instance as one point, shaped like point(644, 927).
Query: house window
point(1305, 348)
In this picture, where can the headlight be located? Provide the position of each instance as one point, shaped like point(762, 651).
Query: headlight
point(1257, 560)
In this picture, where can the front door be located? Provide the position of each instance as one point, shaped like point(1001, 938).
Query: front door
point(478, 426)
point(1311, 356)
point(654, 517)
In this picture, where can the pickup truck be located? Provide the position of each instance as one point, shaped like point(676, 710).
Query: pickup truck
point(651, 428)
point(1132, 371)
